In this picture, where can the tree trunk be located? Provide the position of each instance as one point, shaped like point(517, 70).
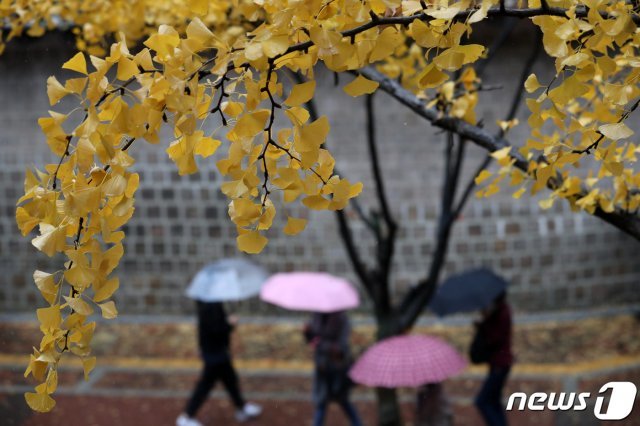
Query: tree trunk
point(388, 407)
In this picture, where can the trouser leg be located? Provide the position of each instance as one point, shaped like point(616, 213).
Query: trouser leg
point(320, 413)
point(351, 412)
point(489, 399)
point(203, 387)
point(230, 379)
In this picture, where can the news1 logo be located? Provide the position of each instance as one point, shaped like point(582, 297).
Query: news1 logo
point(621, 400)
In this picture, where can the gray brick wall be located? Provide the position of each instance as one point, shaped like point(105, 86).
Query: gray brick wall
point(555, 259)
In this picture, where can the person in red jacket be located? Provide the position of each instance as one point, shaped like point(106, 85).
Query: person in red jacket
point(494, 336)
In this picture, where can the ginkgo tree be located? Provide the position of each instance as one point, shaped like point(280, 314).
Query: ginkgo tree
point(173, 65)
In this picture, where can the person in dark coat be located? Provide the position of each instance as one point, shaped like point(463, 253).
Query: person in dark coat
point(214, 338)
point(329, 334)
point(494, 335)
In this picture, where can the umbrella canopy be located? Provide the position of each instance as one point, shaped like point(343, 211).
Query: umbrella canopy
point(310, 291)
point(469, 291)
point(227, 280)
point(407, 361)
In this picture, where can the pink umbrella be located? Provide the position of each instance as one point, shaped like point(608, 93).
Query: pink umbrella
point(407, 361)
point(309, 291)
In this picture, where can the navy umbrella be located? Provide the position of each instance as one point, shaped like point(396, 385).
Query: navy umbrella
point(469, 291)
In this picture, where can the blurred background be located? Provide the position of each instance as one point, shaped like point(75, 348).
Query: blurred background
point(573, 278)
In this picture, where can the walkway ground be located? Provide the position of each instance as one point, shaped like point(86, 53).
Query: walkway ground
point(146, 370)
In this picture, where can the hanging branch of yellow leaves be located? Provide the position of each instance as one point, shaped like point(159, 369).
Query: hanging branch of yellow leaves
point(95, 23)
point(233, 70)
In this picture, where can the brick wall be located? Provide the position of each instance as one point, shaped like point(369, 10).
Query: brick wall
point(555, 259)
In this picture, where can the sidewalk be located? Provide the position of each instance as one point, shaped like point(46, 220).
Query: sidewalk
point(145, 371)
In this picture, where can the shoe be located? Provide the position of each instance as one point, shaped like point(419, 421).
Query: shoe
point(248, 412)
point(184, 420)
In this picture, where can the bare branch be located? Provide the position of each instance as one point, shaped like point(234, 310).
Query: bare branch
point(506, 30)
point(386, 238)
point(358, 266)
point(375, 164)
point(526, 71)
point(469, 188)
point(366, 219)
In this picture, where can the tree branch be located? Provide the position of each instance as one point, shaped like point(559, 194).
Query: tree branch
point(387, 236)
point(629, 223)
point(375, 163)
point(417, 298)
point(377, 21)
point(526, 71)
point(354, 256)
point(506, 30)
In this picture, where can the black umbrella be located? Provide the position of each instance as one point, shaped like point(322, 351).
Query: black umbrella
point(469, 291)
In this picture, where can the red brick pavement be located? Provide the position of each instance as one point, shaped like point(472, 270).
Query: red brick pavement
point(139, 411)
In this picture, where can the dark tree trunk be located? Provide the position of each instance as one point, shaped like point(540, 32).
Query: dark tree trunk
point(388, 407)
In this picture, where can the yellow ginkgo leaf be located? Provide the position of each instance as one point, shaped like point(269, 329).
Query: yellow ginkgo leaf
point(431, 76)
point(294, 226)
point(232, 109)
point(46, 284)
point(79, 305)
point(301, 93)
point(206, 147)
point(78, 63)
point(361, 86)
point(547, 203)
point(455, 57)
point(615, 131)
point(519, 193)
point(132, 185)
point(532, 84)
point(25, 221)
point(106, 290)
point(199, 7)
point(316, 202)
point(51, 240)
point(55, 90)
point(251, 242)
point(88, 364)
point(51, 383)
point(40, 402)
point(615, 167)
point(114, 186)
point(36, 368)
point(482, 176)
point(109, 310)
point(388, 40)
point(49, 318)
point(275, 45)
point(127, 68)
point(197, 30)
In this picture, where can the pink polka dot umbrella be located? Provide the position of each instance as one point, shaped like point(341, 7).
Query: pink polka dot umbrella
point(407, 361)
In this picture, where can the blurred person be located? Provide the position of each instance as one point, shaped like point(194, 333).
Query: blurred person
point(214, 336)
point(329, 334)
point(433, 407)
point(492, 345)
